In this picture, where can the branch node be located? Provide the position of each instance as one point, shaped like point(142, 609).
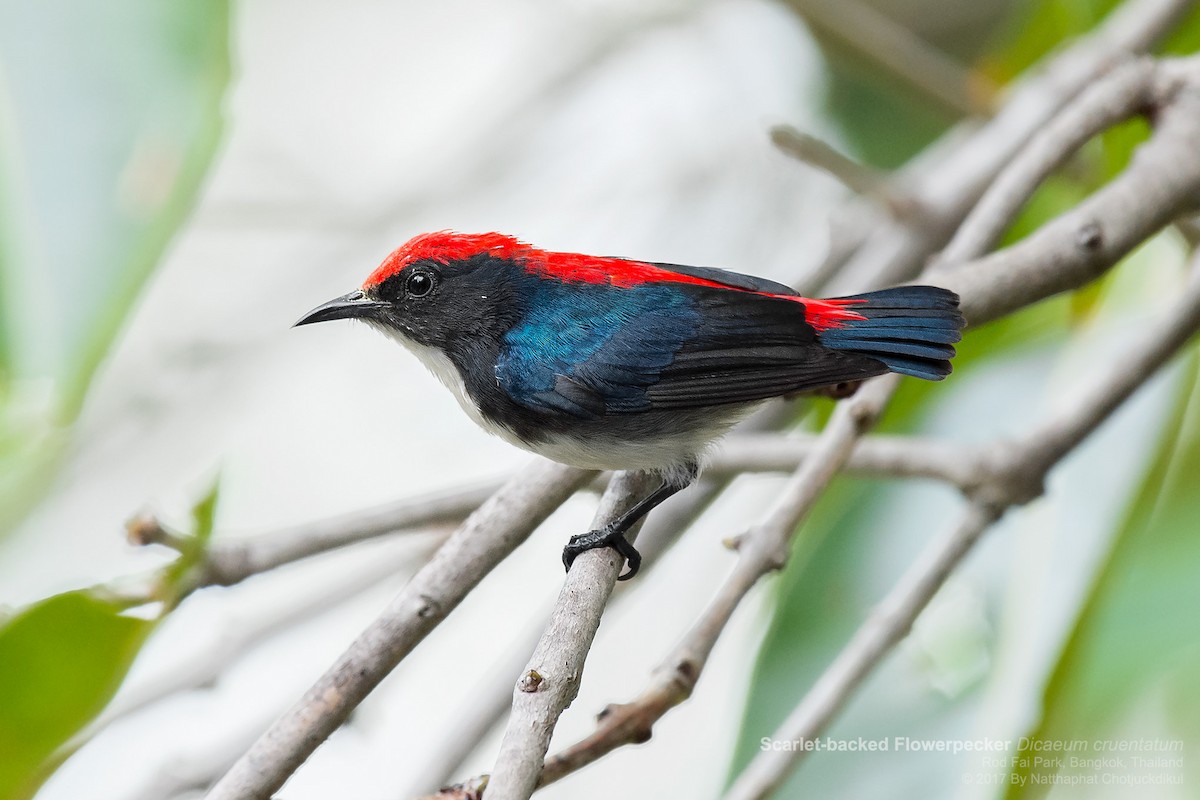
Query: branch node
point(470, 789)
point(687, 672)
point(631, 719)
point(1089, 237)
point(1015, 477)
point(863, 415)
point(145, 529)
point(607, 711)
point(776, 558)
point(428, 607)
point(770, 553)
point(530, 681)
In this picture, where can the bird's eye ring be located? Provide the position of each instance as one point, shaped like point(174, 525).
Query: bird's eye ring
point(418, 284)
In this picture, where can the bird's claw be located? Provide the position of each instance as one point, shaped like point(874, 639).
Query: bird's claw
point(601, 538)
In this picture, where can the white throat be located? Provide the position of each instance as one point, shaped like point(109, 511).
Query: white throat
point(444, 370)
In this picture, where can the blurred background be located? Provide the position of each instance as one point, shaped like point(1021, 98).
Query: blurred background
point(180, 181)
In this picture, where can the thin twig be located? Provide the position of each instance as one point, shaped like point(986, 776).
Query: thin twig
point(1124, 92)
point(805, 147)
point(887, 624)
point(230, 562)
point(873, 456)
point(1160, 184)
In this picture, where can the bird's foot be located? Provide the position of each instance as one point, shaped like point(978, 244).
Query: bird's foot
point(603, 538)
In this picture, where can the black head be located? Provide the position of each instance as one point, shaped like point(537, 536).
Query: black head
point(438, 290)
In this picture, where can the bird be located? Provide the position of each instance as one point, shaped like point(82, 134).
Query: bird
point(612, 363)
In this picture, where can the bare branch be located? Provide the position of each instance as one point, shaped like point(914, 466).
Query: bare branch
point(492, 700)
point(875, 456)
point(1161, 184)
point(950, 178)
point(551, 679)
point(231, 562)
point(887, 624)
point(805, 147)
point(1117, 96)
point(488, 535)
point(761, 551)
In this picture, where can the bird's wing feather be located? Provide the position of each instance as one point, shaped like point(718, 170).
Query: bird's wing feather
point(734, 280)
point(667, 348)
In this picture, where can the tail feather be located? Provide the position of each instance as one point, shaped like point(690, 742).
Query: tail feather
point(911, 329)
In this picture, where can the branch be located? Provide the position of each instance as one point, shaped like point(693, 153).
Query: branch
point(1121, 94)
point(1160, 184)
point(1018, 476)
point(950, 177)
point(488, 535)
point(493, 699)
point(231, 562)
point(856, 177)
point(887, 624)
point(873, 456)
point(551, 679)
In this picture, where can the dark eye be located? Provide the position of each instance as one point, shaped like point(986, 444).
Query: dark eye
point(418, 284)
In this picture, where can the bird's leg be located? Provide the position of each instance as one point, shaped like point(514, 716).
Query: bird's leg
point(613, 534)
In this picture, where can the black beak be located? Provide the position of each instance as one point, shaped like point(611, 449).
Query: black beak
point(355, 305)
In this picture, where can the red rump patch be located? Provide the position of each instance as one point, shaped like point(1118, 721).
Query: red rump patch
point(826, 314)
point(446, 247)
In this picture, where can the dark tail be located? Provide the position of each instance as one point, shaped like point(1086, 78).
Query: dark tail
point(911, 329)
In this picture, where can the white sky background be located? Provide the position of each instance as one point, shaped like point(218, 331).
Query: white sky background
point(620, 128)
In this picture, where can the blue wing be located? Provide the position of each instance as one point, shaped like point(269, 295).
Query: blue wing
point(589, 351)
point(592, 351)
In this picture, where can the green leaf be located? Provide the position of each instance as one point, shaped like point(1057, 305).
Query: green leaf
point(109, 118)
point(1136, 642)
point(179, 575)
point(61, 660)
